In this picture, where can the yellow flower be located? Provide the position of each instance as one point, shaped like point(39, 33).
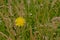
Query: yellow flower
point(20, 21)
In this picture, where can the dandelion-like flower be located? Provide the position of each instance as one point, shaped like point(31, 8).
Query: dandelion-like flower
point(20, 21)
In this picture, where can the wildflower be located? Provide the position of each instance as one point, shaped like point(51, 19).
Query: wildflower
point(20, 21)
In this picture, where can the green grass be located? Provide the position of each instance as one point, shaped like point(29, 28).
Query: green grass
point(39, 15)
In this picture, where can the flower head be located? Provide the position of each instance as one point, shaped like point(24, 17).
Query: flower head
point(20, 21)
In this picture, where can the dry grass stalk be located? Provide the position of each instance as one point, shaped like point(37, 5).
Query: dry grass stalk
point(10, 7)
point(4, 35)
point(53, 3)
point(20, 8)
point(8, 25)
point(54, 20)
point(31, 35)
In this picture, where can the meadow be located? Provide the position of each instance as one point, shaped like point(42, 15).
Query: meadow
point(42, 19)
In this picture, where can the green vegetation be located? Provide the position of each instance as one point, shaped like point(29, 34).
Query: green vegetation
point(42, 19)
